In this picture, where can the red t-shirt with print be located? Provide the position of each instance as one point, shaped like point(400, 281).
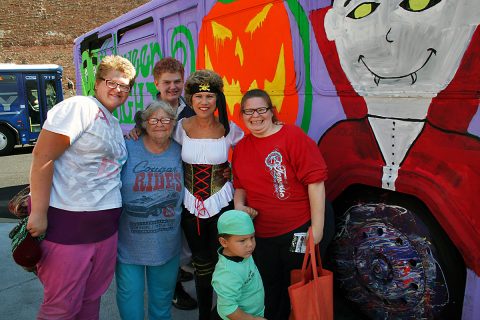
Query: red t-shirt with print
point(275, 172)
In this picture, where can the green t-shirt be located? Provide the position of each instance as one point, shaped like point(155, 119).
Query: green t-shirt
point(238, 285)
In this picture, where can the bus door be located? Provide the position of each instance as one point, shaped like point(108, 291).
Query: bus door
point(51, 94)
point(33, 101)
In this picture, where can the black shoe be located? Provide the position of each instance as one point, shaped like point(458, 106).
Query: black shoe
point(181, 300)
point(185, 275)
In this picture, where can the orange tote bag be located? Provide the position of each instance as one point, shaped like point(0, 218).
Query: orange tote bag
point(311, 291)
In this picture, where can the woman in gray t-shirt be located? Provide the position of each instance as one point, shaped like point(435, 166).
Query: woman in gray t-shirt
point(149, 234)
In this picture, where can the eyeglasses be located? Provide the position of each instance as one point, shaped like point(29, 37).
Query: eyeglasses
point(250, 112)
point(113, 85)
point(154, 121)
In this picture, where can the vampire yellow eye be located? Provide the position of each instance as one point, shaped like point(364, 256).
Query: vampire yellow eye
point(418, 5)
point(363, 10)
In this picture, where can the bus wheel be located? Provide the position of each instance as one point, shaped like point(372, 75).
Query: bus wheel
point(393, 260)
point(7, 141)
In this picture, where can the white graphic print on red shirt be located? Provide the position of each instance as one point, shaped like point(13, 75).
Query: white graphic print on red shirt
point(278, 172)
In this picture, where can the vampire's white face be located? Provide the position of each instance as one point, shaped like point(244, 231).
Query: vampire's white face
point(401, 47)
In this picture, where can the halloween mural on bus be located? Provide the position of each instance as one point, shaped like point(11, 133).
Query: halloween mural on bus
point(407, 77)
point(390, 91)
point(399, 94)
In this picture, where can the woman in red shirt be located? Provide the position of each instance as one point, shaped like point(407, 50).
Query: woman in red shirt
point(279, 177)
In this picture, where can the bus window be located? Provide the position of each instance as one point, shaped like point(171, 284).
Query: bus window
point(31, 86)
point(50, 93)
point(8, 91)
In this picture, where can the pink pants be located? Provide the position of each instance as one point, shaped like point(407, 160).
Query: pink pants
point(74, 278)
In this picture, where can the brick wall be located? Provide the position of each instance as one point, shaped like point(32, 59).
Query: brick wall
point(42, 31)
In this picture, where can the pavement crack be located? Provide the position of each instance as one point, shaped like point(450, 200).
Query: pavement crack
point(18, 284)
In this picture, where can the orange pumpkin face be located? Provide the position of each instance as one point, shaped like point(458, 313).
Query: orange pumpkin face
point(249, 44)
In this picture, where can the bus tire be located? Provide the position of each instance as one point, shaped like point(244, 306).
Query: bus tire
point(7, 141)
point(392, 258)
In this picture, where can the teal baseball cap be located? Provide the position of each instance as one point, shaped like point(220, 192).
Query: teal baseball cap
point(235, 222)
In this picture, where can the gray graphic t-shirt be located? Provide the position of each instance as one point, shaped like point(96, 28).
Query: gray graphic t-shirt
point(152, 193)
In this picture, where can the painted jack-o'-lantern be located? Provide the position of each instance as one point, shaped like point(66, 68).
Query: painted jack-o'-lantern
point(249, 44)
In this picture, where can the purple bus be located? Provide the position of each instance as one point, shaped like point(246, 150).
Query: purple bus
point(388, 90)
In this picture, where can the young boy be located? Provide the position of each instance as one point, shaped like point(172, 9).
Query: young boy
point(236, 279)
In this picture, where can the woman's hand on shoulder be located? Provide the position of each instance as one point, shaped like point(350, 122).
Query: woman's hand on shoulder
point(134, 134)
point(37, 224)
point(227, 173)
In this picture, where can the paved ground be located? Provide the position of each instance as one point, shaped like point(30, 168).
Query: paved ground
point(14, 172)
point(15, 168)
point(21, 291)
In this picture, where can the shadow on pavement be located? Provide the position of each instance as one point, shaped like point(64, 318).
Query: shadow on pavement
point(22, 150)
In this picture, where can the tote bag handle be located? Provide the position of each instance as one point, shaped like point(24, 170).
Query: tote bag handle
point(312, 261)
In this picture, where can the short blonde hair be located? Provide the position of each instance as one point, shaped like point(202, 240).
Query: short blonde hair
point(116, 63)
